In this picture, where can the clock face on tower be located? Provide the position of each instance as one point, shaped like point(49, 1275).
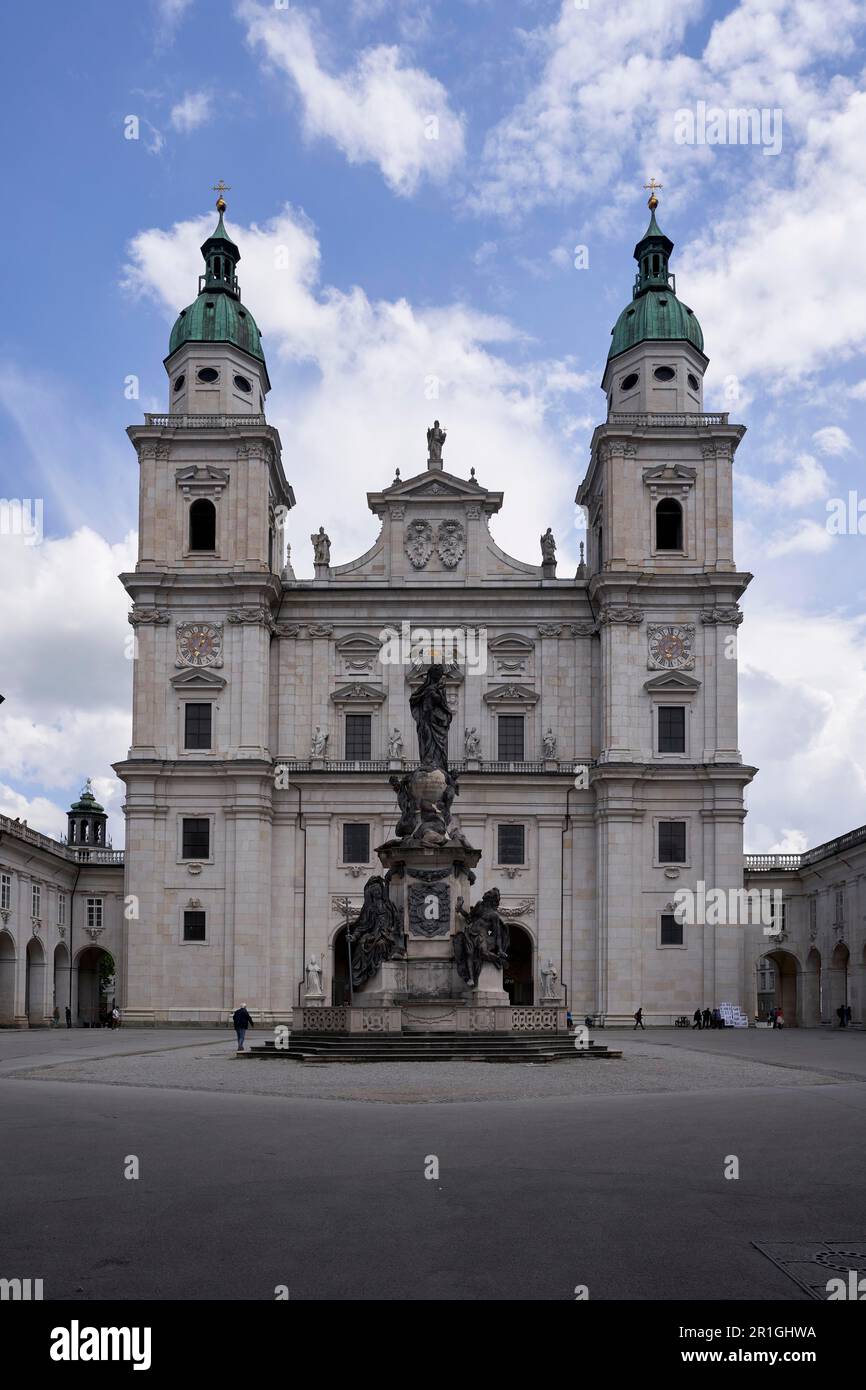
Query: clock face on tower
point(199, 644)
point(671, 648)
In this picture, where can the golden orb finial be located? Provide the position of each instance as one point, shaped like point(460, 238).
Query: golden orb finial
point(652, 200)
point(221, 188)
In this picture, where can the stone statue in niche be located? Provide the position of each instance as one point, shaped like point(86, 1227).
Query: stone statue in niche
point(548, 548)
point(472, 743)
point(549, 745)
point(314, 976)
point(321, 547)
point(395, 744)
point(436, 437)
point(483, 937)
point(319, 742)
point(376, 935)
point(549, 976)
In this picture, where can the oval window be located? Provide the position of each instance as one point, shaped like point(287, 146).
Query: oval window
point(664, 373)
point(208, 374)
point(242, 384)
point(693, 382)
point(629, 381)
point(179, 383)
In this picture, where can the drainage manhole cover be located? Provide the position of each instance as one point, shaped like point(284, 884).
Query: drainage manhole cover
point(812, 1264)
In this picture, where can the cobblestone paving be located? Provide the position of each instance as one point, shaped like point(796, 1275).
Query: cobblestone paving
point(644, 1067)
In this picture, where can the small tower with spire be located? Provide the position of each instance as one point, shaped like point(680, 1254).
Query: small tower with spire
point(215, 363)
point(656, 361)
point(86, 821)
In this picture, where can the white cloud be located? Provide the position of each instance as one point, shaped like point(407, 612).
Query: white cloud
point(804, 537)
point(812, 762)
point(192, 111)
point(378, 363)
point(66, 676)
point(169, 16)
point(379, 112)
point(806, 482)
point(832, 440)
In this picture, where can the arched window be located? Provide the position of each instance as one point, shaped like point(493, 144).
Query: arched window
point(217, 267)
point(669, 525)
point(202, 525)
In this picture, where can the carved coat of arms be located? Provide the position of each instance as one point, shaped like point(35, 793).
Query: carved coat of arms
point(450, 543)
point(419, 543)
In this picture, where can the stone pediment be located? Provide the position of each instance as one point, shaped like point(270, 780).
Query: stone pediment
point(670, 473)
point(510, 642)
point(198, 678)
point(672, 682)
point(511, 694)
point(434, 485)
point(201, 477)
point(358, 644)
point(358, 691)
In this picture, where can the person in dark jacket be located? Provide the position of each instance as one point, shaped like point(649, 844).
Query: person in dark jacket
point(697, 1019)
point(707, 1018)
point(638, 1020)
point(242, 1021)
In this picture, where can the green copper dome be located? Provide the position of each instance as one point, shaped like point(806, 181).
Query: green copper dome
point(217, 315)
point(655, 313)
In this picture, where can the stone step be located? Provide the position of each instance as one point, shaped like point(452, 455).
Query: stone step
point(431, 1047)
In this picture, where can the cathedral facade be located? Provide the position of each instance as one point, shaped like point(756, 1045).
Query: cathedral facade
point(594, 721)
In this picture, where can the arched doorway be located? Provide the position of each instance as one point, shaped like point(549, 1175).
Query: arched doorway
point(7, 978)
point(34, 986)
point(340, 993)
point(838, 982)
point(518, 981)
point(95, 981)
point(785, 993)
point(812, 982)
point(61, 980)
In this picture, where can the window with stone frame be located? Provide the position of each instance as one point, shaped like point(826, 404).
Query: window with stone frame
point(194, 924)
point(672, 842)
point(672, 728)
point(198, 725)
point(61, 909)
point(671, 931)
point(511, 738)
point(813, 916)
point(511, 844)
point(840, 907)
point(35, 900)
point(195, 837)
point(94, 912)
point(359, 737)
point(356, 842)
point(5, 892)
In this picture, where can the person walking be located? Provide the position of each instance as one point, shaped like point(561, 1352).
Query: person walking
point(707, 1018)
point(242, 1021)
point(697, 1016)
point(68, 1017)
point(638, 1020)
point(115, 1017)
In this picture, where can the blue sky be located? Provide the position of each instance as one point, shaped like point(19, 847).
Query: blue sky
point(375, 257)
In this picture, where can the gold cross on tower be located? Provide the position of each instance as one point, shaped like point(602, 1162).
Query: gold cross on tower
point(221, 188)
point(652, 200)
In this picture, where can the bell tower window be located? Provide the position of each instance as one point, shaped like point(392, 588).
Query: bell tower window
point(669, 525)
point(202, 525)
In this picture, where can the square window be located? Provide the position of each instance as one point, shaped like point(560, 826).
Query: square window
point(671, 930)
point(672, 842)
point(672, 729)
point(194, 925)
point(196, 837)
point(197, 725)
point(359, 737)
point(511, 730)
point(356, 844)
point(512, 844)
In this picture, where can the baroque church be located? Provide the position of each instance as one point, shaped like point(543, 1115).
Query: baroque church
point(594, 716)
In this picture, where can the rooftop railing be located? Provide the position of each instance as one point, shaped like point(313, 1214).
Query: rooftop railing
point(688, 420)
point(79, 854)
point(194, 422)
